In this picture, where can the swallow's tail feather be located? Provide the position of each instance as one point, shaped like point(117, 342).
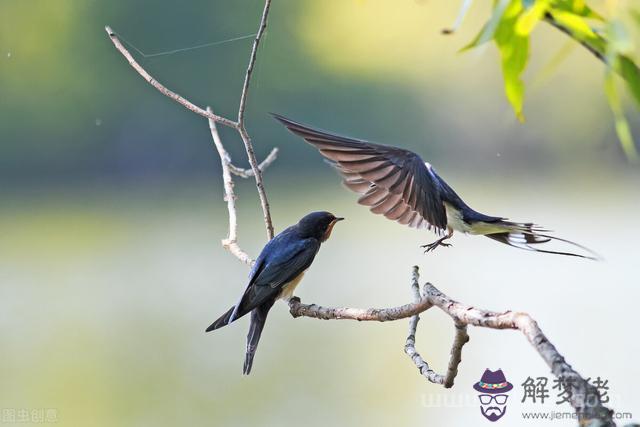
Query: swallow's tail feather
point(258, 319)
point(527, 236)
point(223, 320)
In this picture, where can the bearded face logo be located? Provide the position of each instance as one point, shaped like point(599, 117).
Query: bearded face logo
point(493, 388)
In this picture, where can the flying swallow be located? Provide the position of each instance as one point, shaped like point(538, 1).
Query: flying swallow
point(276, 273)
point(398, 184)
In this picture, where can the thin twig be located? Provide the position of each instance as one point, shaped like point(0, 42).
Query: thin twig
point(248, 173)
point(585, 399)
point(548, 17)
point(461, 338)
point(256, 169)
point(153, 82)
point(257, 175)
point(252, 62)
point(410, 344)
point(298, 309)
point(241, 126)
point(231, 242)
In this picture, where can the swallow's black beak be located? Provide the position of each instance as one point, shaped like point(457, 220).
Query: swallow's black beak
point(336, 219)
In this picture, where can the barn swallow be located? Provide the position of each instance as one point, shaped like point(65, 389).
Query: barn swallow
point(276, 273)
point(398, 184)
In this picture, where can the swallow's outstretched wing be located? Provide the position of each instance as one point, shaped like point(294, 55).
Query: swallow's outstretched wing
point(398, 184)
point(283, 259)
point(393, 182)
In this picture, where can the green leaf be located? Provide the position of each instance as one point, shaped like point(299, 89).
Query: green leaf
point(578, 29)
point(577, 7)
point(475, 42)
point(574, 23)
point(631, 74)
point(618, 47)
point(488, 30)
point(514, 53)
point(622, 126)
point(530, 18)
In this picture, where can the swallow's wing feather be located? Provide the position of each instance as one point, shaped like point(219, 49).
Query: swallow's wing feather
point(394, 182)
point(288, 263)
point(283, 259)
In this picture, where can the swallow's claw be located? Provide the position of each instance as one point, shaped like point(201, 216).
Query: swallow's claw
point(432, 246)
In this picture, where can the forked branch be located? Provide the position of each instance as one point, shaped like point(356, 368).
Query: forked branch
point(228, 168)
point(231, 242)
point(585, 398)
point(161, 88)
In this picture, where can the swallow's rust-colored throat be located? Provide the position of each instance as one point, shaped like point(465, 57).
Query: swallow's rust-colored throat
point(327, 233)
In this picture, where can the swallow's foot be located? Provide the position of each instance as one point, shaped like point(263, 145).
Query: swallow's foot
point(440, 242)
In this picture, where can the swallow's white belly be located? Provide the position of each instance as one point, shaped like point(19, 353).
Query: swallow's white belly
point(455, 221)
point(287, 290)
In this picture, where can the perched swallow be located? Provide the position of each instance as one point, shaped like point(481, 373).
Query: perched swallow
point(398, 184)
point(276, 273)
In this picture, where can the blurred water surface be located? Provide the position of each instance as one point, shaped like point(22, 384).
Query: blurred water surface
point(105, 298)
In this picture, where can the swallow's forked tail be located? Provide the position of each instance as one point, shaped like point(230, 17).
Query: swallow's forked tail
point(223, 320)
point(526, 235)
point(258, 319)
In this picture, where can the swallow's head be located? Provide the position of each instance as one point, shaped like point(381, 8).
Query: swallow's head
point(318, 225)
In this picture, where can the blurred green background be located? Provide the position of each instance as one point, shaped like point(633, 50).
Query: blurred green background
point(111, 213)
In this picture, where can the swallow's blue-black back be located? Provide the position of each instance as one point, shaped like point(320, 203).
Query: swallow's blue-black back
point(281, 262)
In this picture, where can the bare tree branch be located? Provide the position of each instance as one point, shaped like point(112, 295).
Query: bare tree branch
point(257, 175)
point(248, 173)
point(153, 82)
point(227, 167)
point(410, 345)
point(231, 242)
point(585, 399)
point(252, 62)
point(298, 309)
point(241, 126)
point(461, 338)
